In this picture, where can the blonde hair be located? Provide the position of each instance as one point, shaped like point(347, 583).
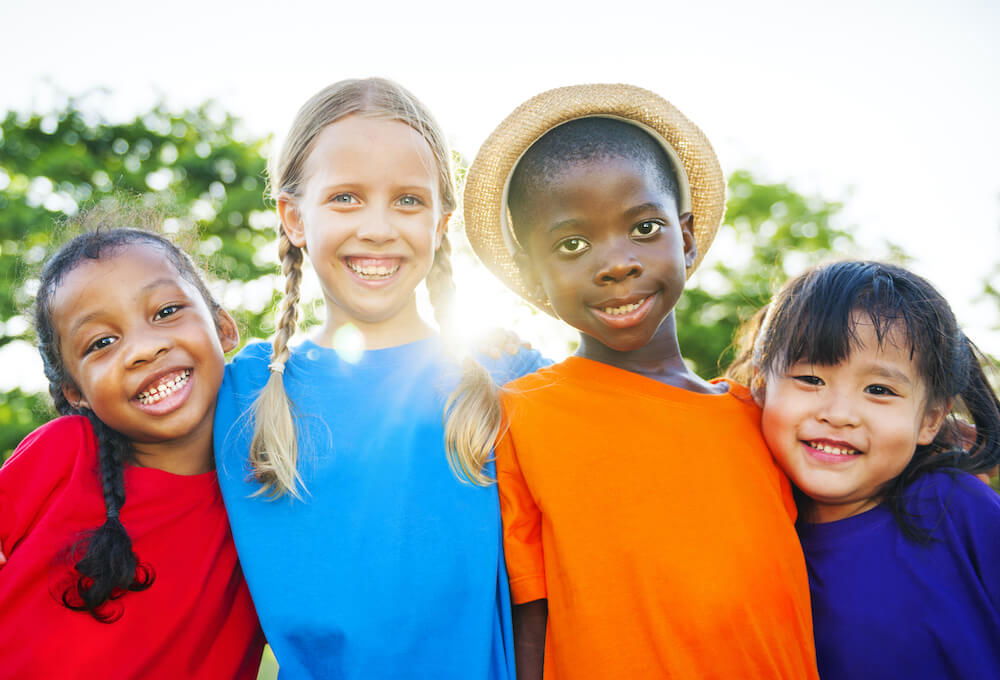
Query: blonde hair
point(472, 412)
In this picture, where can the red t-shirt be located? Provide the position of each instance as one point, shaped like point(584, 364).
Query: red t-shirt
point(195, 621)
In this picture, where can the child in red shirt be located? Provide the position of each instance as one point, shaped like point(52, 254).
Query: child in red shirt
point(119, 562)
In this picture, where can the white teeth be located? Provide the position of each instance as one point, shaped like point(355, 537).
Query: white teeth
point(372, 272)
point(624, 309)
point(835, 450)
point(155, 394)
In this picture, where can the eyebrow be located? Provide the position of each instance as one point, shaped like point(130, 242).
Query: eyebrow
point(643, 207)
point(890, 373)
point(87, 318)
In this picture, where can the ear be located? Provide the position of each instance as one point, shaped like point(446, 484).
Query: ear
point(441, 229)
point(932, 421)
point(229, 333)
point(690, 244)
point(74, 396)
point(291, 219)
point(529, 274)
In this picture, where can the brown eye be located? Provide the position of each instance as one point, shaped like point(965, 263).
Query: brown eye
point(572, 246)
point(646, 229)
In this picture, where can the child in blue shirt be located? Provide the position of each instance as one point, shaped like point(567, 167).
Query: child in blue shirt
point(859, 366)
point(366, 554)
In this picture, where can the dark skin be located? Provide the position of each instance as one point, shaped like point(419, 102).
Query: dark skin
point(604, 241)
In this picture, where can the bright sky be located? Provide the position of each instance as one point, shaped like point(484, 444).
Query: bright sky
point(892, 107)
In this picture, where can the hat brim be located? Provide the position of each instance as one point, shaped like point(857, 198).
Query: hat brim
point(485, 196)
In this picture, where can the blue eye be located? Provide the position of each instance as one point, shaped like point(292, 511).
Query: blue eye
point(409, 201)
point(646, 229)
point(344, 199)
point(572, 246)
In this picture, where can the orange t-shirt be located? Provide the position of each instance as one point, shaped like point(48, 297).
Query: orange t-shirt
point(657, 525)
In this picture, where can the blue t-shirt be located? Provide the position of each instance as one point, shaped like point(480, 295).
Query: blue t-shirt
point(390, 567)
point(885, 606)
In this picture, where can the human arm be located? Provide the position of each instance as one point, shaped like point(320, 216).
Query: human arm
point(522, 528)
point(530, 620)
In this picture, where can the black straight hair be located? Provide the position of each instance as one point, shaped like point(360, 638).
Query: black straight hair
point(107, 567)
point(813, 320)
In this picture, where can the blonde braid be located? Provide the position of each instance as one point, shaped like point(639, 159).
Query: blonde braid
point(274, 448)
point(472, 413)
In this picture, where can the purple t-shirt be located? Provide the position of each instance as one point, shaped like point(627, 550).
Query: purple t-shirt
point(885, 606)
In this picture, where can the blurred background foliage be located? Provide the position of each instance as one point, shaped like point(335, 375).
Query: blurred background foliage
point(207, 177)
point(210, 176)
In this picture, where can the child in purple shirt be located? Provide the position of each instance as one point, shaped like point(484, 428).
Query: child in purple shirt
point(859, 367)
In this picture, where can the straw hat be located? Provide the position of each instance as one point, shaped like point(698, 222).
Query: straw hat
point(487, 221)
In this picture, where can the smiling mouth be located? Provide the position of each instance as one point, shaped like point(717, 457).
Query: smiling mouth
point(623, 309)
point(373, 269)
point(164, 388)
point(831, 449)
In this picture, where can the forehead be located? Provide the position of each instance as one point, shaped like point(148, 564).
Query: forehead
point(119, 277)
point(359, 148)
point(618, 180)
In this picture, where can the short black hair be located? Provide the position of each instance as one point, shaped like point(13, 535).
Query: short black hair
point(580, 141)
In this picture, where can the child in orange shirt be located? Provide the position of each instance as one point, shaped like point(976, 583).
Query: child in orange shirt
point(648, 531)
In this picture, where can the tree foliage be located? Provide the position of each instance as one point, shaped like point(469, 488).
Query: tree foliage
point(55, 163)
point(770, 232)
point(195, 162)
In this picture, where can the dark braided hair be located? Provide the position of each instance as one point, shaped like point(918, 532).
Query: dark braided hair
point(812, 319)
point(108, 567)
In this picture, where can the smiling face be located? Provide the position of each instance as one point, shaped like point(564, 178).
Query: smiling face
point(142, 348)
point(369, 216)
point(841, 432)
point(604, 241)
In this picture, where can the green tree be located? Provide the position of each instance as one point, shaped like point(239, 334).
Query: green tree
point(770, 232)
point(52, 164)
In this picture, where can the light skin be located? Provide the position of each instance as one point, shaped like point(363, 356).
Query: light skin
point(606, 245)
point(842, 432)
point(369, 217)
point(145, 354)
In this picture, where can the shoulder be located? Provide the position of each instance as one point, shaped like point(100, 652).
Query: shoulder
point(953, 490)
point(952, 500)
point(48, 456)
point(546, 376)
point(251, 357)
point(248, 369)
point(59, 439)
point(510, 367)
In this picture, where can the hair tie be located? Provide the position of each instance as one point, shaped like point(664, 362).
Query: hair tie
point(276, 367)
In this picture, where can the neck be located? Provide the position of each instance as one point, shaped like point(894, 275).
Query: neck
point(192, 454)
point(405, 327)
point(823, 513)
point(660, 359)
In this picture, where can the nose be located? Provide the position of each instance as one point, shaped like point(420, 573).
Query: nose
point(619, 266)
point(838, 409)
point(146, 346)
point(376, 226)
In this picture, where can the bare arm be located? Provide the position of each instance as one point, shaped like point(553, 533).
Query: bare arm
point(529, 638)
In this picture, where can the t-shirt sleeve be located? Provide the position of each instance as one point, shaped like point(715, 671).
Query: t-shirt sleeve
point(32, 477)
point(974, 510)
point(522, 526)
